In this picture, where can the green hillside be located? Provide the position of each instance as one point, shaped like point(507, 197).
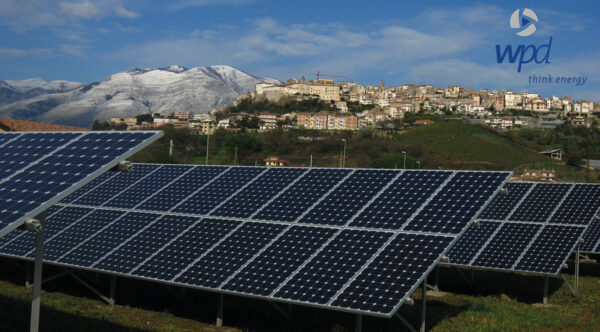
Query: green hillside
point(453, 143)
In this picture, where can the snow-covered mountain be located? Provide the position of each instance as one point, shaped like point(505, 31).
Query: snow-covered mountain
point(136, 91)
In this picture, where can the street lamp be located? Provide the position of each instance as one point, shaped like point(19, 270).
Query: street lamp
point(344, 154)
point(404, 153)
point(419, 164)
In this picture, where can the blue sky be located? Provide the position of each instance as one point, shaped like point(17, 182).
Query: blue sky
point(436, 42)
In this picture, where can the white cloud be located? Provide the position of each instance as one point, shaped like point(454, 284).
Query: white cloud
point(72, 50)
point(84, 9)
point(122, 12)
point(178, 5)
point(31, 52)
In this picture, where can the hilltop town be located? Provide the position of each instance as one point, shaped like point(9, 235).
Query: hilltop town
point(352, 106)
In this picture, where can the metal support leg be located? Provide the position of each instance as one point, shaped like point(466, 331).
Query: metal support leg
point(545, 299)
point(220, 311)
point(37, 276)
point(472, 277)
point(113, 290)
point(28, 275)
point(436, 279)
point(423, 304)
point(358, 323)
point(577, 269)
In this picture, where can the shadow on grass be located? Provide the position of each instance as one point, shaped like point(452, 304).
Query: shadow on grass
point(522, 287)
point(16, 316)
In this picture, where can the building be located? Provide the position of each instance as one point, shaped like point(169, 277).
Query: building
point(542, 175)
point(553, 153)
point(130, 121)
point(268, 121)
point(327, 121)
point(276, 161)
point(536, 105)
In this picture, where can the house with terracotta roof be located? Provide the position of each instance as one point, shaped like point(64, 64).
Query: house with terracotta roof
point(22, 125)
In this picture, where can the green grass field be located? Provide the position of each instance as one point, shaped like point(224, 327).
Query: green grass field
point(496, 302)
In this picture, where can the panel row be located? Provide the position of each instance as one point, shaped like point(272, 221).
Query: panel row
point(368, 271)
point(36, 168)
point(378, 199)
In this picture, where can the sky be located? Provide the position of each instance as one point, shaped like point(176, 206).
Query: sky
point(421, 42)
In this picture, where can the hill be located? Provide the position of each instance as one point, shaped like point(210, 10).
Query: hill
point(130, 93)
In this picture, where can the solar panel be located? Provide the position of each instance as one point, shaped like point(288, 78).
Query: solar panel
point(306, 236)
point(534, 228)
point(37, 169)
point(591, 238)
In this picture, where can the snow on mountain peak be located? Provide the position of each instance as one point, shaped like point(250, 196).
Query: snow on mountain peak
point(133, 92)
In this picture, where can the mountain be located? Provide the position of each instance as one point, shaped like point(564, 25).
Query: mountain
point(136, 91)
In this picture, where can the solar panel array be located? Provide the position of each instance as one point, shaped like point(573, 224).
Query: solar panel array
point(37, 169)
point(353, 240)
point(533, 228)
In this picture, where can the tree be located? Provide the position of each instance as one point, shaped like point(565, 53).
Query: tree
point(104, 125)
point(244, 143)
point(574, 159)
point(144, 118)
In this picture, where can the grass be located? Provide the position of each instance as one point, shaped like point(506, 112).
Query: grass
point(497, 302)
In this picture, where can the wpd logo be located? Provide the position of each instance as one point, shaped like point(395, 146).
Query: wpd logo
point(524, 53)
point(525, 21)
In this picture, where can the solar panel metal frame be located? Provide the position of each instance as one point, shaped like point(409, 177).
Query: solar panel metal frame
point(532, 240)
point(91, 176)
point(340, 228)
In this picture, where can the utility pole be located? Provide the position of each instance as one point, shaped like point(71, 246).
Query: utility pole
point(235, 157)
point(207, 141)
point(170, 148)
point(344, 154)
point(404, 153)
point(311, 160)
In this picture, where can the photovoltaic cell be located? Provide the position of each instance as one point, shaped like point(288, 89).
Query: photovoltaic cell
point(591, 238)
point(115, 185)
point(213, 194)
point(332, 267)
point(540, 203)
point(88, 187)
point(501, 206)
point(580, 206)
point(302, 195)
point(347, 199)
point(101, 243)
point(220, 262)
point(251, 198)
point(133, 252)
point(550, 249)
point(174, 194)
point(457, 203)
point(56, 246)
point(471, 242)
point(56, 222)
point(143, 189)
point(393, 274)
point(271, 267)
point(506, 247)
point(401, 200)
point(185, 249)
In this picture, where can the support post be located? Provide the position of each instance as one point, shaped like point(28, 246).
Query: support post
point(577, 268)
point(423, 304)
point(28, 275)
point(545, 298)
point(113, 290)
point(37, 275)
point(358, 323)
point(436, 279)
point(220, 311)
